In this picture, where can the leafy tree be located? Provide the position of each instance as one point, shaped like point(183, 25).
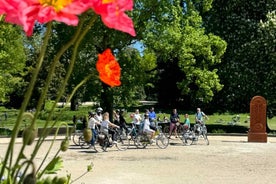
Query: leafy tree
point(137, 76)
point(248, 67)
point(186, 55)
point(12, 59)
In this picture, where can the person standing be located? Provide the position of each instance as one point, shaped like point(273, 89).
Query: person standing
point(174, 118)
point(152, 114)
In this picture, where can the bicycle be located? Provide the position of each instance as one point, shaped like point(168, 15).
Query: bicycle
point(195, 136)
point(132, 135)
point(142, 139)
point(76, 136)
point(165, 124)
point(104, 141)
point(235, 120)
point(86, 145)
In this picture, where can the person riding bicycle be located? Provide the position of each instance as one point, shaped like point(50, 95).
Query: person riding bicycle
point(92, 122)
point(116, 117)
point(120, 120)
point(199, 119)
point(136, 117)
point(99, 115)
point(105, 124)
point(146, 128)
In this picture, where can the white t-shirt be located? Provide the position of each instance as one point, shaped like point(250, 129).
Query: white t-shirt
point(92, 123)
point(136, 119)
point(146, 127)
point(99, 117)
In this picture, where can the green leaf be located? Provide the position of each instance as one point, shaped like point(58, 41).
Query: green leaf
point(55, 165)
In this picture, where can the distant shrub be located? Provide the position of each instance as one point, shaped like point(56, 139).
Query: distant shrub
point(218, 131)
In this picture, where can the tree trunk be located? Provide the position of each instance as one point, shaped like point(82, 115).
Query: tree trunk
point(73, 104)
point(107, 100)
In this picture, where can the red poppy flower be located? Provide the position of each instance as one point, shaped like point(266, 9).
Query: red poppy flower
point(113, 14)
point(26, 12)
point(108, 68)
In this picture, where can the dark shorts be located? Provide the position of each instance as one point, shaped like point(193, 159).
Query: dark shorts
point(173, 126)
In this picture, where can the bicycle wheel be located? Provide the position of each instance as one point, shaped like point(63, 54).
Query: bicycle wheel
point(180, 129)
point(162, 141)
point(98, 145)
point(130, 141)
point(75, 138)
point(131, 137)
point(105, 144)
point(82, 143)
point(166, 129)
point(202, 139)
point(140, 142)
point(121, 144)
point(204, 134)
point(206, 139)
point(187, 138)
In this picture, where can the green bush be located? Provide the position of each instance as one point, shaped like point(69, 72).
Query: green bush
point(218, 131)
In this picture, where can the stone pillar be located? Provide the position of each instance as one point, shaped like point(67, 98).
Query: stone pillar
point(257, 131)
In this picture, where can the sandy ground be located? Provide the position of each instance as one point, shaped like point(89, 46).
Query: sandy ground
point(228, 160)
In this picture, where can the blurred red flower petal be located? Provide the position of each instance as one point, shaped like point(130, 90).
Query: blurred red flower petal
point(108, 68)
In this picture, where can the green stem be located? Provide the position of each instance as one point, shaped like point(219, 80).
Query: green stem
point(26, 100)
point(79, 85)
point(2, 18)
point(79, 177)
point(28, 162)
point(42, 97)
point(52, 143)
point(71, 66)
point(77, 41)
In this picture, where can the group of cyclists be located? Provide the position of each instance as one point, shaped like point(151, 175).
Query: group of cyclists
point(100, 121)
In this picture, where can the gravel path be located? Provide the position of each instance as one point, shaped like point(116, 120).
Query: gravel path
point(228, 160)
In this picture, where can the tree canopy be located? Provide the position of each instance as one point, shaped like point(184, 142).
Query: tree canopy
point(186, 54)
point(12, 60)
point(248, 67)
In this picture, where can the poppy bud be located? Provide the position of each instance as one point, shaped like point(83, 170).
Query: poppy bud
point(30, 179)
point(64, 145)
point(87, 134)
point(28, 135)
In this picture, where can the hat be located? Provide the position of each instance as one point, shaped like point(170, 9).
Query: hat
point(99, 109)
